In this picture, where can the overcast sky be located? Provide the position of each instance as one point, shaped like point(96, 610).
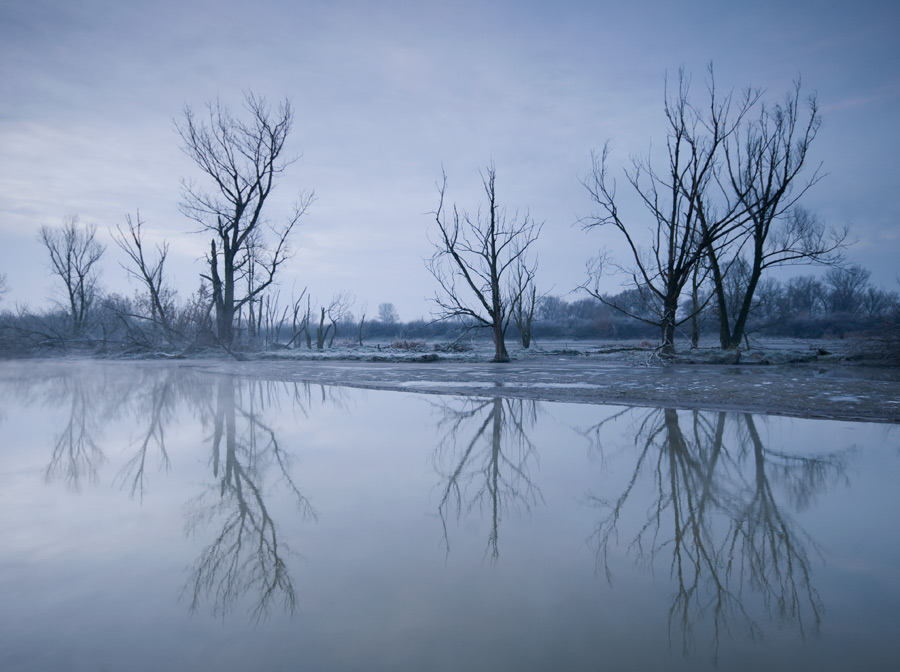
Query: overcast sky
point(386, 93)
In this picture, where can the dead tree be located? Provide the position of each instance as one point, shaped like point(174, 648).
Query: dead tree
point(74, 252)
point(682, 220)
point(525, 299)
point(766, 163)
point(333, 312)
point(149, 273)
point(243, 161)
point(472, 259)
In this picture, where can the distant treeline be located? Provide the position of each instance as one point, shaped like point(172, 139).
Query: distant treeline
point(840, 303)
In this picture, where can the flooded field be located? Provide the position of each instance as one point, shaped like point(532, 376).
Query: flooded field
point(166, 517)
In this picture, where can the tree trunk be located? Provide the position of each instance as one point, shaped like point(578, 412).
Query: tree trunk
point(670, 305)
point(740, 322)
point(721, 299)
point(321, 332)
point(695, 309)
point(501, 356)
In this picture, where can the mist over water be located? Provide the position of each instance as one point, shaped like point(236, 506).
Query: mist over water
point(160, 517)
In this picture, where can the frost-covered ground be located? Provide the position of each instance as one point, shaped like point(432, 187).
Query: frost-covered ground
point(785, 377)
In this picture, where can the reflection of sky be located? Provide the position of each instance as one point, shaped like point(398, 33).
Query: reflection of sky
point(386, 93)
point(92, 577)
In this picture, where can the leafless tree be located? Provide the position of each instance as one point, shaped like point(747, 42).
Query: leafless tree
point(74, 253)
point(684, 223)
point(333, 312)
point(525, 300)
point(243, 160)
point(766, 163)
point(151, 273)
point(300, 319)
point(275, 318)
point(472, 258)
point(387, 313)
point(4, 285)
point(846, 288)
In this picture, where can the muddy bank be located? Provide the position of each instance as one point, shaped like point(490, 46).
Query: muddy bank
point(815, 391)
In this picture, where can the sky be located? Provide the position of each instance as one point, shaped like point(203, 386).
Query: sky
point(389, 94)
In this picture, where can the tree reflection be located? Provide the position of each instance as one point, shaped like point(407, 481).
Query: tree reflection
point(155, 404)
point(246, 555)
point(484, 460)
point(76, 455)
point(717, 522)
point(247, 461)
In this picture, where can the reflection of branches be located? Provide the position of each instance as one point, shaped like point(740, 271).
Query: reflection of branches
point(725, 531)
point(159, 407)
point(495, 478)
point(76, 454)
point(771, 546)
point(246, 556)
point(96, 395)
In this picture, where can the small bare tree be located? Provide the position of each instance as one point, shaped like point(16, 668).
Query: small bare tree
point(243, 161)
point(74, 253)
point(151, 274)
point(473, 257)
point(333, 313)
point(524, 300)
point(300, 320)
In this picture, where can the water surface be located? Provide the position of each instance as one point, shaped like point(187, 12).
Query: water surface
point(158, 517)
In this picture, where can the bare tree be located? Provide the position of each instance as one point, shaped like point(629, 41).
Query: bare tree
point(243, 160)
point(74, 253)
point(525, 300)
point(334, 312)
point(300, 319)
point(473, 257)
point(847, 288)
point(4, 285)
point(151, 274)
point(387, 313)
point(766, 164)
point(684, 223)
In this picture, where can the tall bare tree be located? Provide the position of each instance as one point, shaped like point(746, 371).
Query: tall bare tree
point(74, 253)
point(683, 221)
point(242, 160)
point(472, 258)
point(766, 164)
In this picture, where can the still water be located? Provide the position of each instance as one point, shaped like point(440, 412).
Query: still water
point(157, 517)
